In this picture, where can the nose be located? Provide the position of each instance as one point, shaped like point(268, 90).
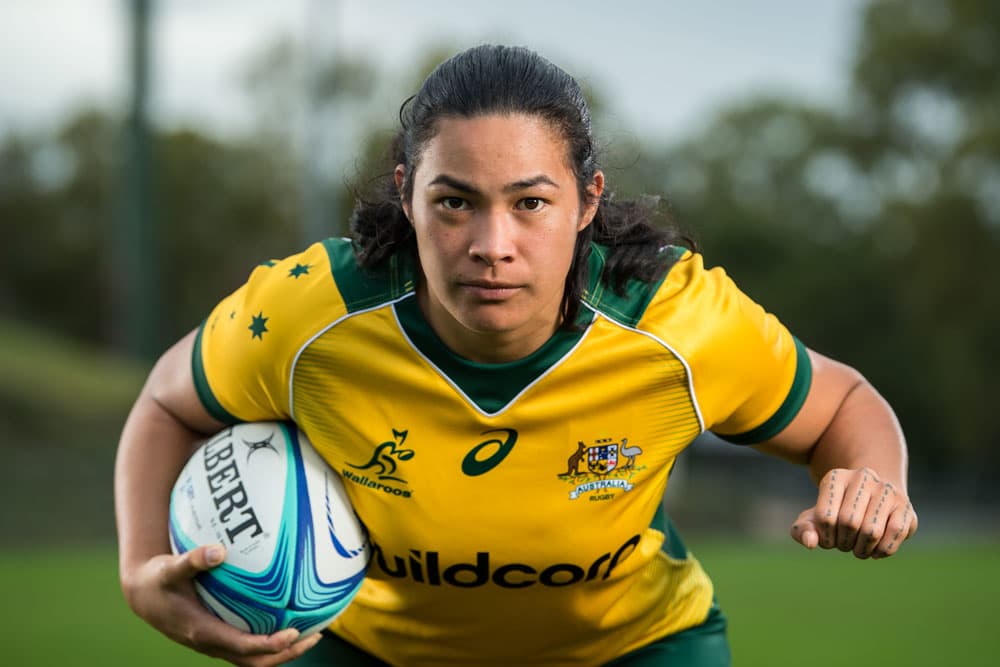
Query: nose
point(492, 241)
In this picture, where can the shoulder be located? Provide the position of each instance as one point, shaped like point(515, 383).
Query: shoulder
point(689, 307)
point(246, 349)
point(691, 280)
point(627, 305)
point(300, 294)
point(363, 288)
point(325, 281)
point(749, 373)
point(691, 293)
point(300, 285)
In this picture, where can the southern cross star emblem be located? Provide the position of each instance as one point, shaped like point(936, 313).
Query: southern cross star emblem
point(299, 270)
point(259, 325)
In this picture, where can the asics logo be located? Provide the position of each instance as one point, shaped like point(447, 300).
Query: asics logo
point(488, 454)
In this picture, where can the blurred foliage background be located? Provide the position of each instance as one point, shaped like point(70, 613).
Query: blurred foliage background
point(871, 229)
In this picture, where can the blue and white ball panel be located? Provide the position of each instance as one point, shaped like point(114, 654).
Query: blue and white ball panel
point(236, 489)
point(335, 520)
point(335, 537)
point(296, 552)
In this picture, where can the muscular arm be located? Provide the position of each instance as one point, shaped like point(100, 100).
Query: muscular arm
point(852, 443)
point(159, 436)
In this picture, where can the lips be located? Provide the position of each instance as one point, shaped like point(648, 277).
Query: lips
point(489, 290)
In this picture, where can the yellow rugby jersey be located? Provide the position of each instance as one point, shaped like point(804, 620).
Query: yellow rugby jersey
point(514, 508)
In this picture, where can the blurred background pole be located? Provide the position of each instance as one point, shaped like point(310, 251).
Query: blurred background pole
point(136, 269)
point(319, 122)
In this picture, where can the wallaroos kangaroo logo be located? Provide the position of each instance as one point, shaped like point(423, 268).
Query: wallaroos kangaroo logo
point(383, 464)
point(610, 465)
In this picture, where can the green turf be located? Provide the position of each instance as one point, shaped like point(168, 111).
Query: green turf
point(929, 605)
point(70, 612)
point(934, 605)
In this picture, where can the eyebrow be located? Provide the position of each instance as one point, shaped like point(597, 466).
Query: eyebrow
point(462, 186)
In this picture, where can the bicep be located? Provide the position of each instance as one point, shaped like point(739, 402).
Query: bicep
point(831, 383)
point(171, 386)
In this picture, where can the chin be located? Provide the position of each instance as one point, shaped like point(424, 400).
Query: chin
point(489, 325)
point(490, 319)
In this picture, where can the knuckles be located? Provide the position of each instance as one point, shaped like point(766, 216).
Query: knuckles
point(894, 527)
point(835, 474)
point(858, 511)
point(849, 519)
point(884, 551)
point(869, 536)
point(871, 473)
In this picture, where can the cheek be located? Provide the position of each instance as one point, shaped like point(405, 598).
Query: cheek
point(437, 251)
point(425, 250)
point(553, 256)
point(434, 240)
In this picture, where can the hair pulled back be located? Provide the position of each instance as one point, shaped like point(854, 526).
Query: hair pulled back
point(493, 79)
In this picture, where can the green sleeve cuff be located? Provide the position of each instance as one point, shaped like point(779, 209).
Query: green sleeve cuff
point(789, 408)
point(208, 399)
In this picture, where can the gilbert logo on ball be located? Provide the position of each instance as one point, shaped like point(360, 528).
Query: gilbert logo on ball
point(296, 551)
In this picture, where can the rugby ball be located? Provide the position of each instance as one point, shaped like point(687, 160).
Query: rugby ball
point(296, 553)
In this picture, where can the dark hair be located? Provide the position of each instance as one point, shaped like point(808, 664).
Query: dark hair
point(504, 80)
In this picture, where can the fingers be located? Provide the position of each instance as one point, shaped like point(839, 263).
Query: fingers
point(855, 510)
point(299, 647)
point(828, 505)
point(206, 557)
point(804, 530)
point(901, 524)
point(162, 592)
point(277, 649)
point(873, 528)
point(221, 640)
point(187, 565)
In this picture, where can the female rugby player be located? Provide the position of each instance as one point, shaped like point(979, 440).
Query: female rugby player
point(546, 352)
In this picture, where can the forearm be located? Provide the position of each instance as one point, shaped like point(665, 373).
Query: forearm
point(863, 433)
point(153, 449)
point(157, 440)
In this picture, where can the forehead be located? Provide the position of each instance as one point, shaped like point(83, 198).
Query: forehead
point(496, 147)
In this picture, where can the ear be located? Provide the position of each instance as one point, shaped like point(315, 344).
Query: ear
point(399, 175)
point(594, 192)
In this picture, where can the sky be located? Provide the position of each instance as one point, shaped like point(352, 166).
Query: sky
point(663, 66)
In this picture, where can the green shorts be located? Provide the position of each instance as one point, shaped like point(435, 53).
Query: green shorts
point(704, 645)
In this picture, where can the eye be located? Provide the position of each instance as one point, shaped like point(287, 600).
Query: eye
point(453, 203)
point(531, 204)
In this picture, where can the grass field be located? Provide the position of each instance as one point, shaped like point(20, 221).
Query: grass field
point(934, 605)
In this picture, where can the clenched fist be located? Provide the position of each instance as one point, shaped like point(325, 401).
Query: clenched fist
point(856, 511)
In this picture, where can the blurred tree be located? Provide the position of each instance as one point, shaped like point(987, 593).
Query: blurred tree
point(227, 207)
point(55, 209)
point(224, 208)
point(311, 111)
point(927, 88)
point(874, 230)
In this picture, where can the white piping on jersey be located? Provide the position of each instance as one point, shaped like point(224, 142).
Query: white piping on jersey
point(295, 360)
point(687, 368)
point(458, 389)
